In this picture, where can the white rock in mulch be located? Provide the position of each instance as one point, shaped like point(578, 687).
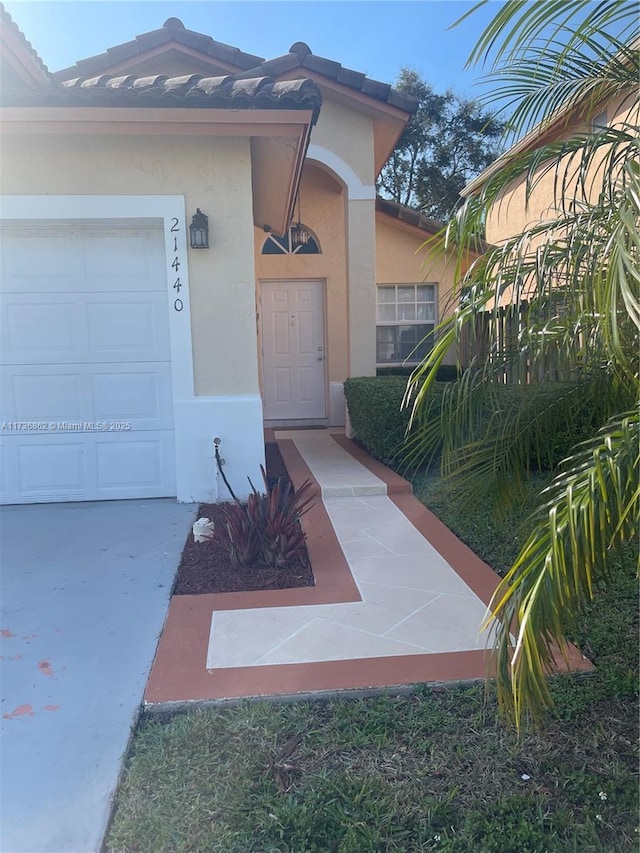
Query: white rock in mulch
point(202, 530)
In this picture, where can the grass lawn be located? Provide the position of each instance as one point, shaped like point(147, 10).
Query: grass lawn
point(431, 770)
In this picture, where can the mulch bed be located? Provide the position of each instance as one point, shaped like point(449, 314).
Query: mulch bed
point(205, 567)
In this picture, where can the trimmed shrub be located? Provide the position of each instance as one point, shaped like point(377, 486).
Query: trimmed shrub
point(547, 419)
point(446, 372)
point(379, 423)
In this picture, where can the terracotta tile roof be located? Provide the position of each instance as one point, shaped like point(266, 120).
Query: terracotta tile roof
point(248, 65)
point(409, 215)
point(9, 25)
point(173, 30)
point(162, 91)
point(300, 56)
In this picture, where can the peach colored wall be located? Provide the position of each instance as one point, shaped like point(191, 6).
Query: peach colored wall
point(349, 134)
point(213, 174)
point(400, 258)
point(323, 211)
point(512, 213)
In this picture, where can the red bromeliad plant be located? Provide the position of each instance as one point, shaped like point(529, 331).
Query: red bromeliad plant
point(238, 535)
point(276, 516)
point(268, 527)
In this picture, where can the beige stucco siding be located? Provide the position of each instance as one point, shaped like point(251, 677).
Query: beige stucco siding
point(362, 278)
point(349, 135)
point(213, 174)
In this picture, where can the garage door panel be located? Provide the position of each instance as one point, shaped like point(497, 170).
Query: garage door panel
point(125, 258)
point(130, 463)
point(138, 395)
point(7, 468)
point(129, 395)
point(36, 331)
point(43, 396)
point(51, 467)
point(39, 263)
point(85, 383)
point(103, 260)
point(127, 327)
point(88, 466)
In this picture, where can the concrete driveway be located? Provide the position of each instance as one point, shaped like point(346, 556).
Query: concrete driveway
point(85, 589)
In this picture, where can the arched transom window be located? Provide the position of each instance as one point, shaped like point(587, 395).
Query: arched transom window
point(285, 246)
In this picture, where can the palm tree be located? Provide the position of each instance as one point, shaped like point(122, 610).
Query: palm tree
point(572, 280)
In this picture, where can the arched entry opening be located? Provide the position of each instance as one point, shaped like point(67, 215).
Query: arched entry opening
point(303, 309)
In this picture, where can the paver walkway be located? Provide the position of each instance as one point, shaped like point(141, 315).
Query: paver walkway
point(413, 601)
point(398, 598)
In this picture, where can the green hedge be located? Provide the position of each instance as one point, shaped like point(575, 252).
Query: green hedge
point(379, 423)
point(446, 372)
point(377, 419)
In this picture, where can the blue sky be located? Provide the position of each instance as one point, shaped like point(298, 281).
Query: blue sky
point(377, 37)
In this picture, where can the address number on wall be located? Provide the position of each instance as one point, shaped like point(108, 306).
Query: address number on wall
point(176, 263)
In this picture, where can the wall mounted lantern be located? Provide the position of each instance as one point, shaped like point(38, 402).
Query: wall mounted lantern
point(299, 233)
point(199, 230)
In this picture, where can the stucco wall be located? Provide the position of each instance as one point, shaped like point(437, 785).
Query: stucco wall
point(323, 211)
point(400, 258)
point(349, 134)
point(213, 174)
point(513, 213)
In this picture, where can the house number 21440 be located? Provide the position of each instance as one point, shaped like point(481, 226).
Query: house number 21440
point(178, 304)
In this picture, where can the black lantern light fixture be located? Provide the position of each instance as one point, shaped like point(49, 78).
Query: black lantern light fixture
point(299, 234)
point(199, 230)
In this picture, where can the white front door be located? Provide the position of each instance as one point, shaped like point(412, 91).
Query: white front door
point(85, 380)
point(293, 350)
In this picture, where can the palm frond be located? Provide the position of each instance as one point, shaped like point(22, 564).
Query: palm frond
point(558, 299)
point(591, 507)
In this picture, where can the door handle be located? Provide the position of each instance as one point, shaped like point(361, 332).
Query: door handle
point(320, 358)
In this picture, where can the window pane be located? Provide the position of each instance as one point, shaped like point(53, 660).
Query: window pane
point(309, 248)
point(386, 333)
point(406, 341)
point(386, 294)
point(426, 312)
point(396, 344)
point(425, 341)
point(275, 245)
point(407, 312)
point(385, 336)
point(407, 294)
point(411, 344)
point(386, 312)
point(426, 292)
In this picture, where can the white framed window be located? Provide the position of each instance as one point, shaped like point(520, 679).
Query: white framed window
point(406, 319)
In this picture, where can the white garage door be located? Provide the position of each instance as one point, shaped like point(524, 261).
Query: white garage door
point(85, 383)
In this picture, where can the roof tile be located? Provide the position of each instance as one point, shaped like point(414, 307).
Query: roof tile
point(353, 79)
point(123, 51)
point(7, 21)
point(299, 55)
point(191, 90)
point(375, 89)
point(155, 38)
point(321, 65)
point(408, 214)
point(198, 41)
point(414, 217)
